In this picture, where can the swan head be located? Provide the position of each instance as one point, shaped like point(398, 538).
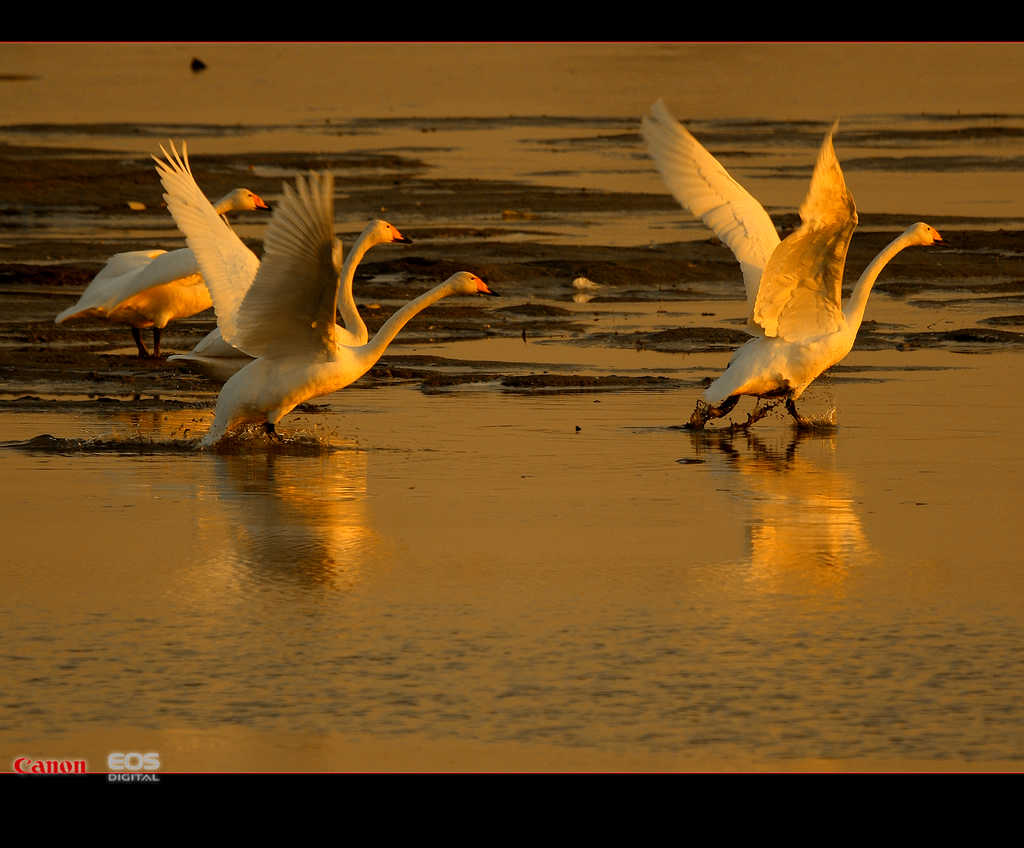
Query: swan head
point(466, 283)
point(922, 233)
point(383, 232)
point(241, 200)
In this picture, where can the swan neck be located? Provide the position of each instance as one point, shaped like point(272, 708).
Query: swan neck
point(350, 316)
point(224, 205)
point(390, 328)
point(858, 301)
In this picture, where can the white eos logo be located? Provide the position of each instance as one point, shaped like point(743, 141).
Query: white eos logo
point(133, 761)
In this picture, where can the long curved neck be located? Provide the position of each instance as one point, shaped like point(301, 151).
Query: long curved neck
point(224, 205)
point(390, 328)
point(350, 316)
point(858, 302)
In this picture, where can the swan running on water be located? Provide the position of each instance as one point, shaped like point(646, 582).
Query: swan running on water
point(286, 318)
point(219, 360)
point(150, 288)
point(794, 286)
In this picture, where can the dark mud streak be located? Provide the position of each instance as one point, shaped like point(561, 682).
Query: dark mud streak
point(456, 224)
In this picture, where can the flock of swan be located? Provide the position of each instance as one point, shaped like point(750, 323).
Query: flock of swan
point(277, 343)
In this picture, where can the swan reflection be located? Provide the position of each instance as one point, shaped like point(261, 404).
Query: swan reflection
point(803, 513)
point(296, 518)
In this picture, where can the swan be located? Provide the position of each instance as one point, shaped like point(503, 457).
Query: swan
point(219, 360)
point(150, 288)
point(794, 286)
point(286, 318)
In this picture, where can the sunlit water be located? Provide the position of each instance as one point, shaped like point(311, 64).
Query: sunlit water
point(487, 580)
point(623, 586)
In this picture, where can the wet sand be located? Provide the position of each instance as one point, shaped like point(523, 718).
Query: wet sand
point(673, 297)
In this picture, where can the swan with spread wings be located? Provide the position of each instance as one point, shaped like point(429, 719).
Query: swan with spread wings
point(794, 286)
point(285, 319)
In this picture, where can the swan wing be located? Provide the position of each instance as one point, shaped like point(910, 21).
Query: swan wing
point(702, 186)
point(801, 289)
point(291, 304)
point(133, 272)
point(227, 265)
point(108, 287)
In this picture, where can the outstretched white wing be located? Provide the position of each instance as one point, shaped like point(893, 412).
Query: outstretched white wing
point(227, 265)
point(701, 185)
point(801, 289)
point(291, 304)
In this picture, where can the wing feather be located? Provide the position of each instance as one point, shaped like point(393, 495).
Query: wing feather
point(227, 265)
point(702, 186)
point(291, 303)
point(130, 273)
point(801, 289)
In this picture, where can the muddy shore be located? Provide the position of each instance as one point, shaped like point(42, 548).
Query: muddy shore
point(506, 232)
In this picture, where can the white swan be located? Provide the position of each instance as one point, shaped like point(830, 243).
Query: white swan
point(286, 318)
point(794, 287)
point(150, 288)
point(219, 360)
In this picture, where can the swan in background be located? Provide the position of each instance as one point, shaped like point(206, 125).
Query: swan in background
point(150, 288)
point(794, 286)
point(286, 318)
point(219, 360)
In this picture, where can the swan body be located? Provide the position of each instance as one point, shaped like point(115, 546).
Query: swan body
point(285, 319)
point(270, 387)
point(794, 286)
point(150, 288)
point(219, 360)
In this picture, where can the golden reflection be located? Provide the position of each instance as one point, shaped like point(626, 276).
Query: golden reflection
point(297, 518)
point(803, 521)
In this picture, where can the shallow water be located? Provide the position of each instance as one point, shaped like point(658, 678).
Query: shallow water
point(626, 589)
point(490, 580)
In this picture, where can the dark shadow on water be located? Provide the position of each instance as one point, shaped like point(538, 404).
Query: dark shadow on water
point(247, 442)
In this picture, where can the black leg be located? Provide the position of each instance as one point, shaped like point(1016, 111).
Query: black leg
point(801, 422)
point(143, 353)
point(156, 342)
point(271, 431)
point(703, 413)
point(758, 413)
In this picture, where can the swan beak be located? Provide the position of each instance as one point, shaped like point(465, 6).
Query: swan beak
point(488, 291)
point(262, 204)
point(403, 239)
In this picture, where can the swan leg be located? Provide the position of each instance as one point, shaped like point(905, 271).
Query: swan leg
point(271, 431)
point(801, 422)
point(704, 412)
point(156, 342)
point(137, 335)
point(758, 413)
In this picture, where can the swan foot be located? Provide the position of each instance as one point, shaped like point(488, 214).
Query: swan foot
point(755, 416)
point(704, 412)
point(801, 422)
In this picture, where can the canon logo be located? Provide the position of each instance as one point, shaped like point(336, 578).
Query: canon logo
point(27, 765)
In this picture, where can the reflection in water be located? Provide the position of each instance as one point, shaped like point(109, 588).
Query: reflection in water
point(295, 519)
point(294, 512)
point(804, 518)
